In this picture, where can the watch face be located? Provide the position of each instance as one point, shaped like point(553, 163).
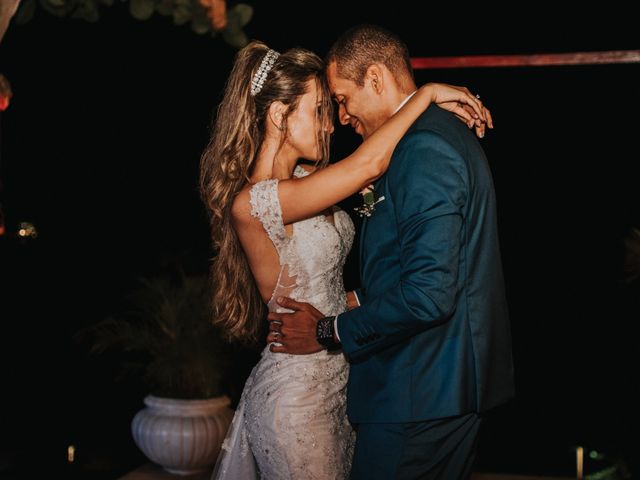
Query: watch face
point(324, 332)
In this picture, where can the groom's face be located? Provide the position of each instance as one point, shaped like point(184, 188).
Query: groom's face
point(358, 106)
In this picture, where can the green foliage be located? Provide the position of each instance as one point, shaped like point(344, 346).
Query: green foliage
point(237, 17)
point(167, 338)
point(181, 11)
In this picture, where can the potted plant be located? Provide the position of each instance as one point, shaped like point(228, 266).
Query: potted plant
point(168, 338)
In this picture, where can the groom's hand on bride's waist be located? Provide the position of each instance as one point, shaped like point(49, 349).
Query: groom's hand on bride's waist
point(294, 332)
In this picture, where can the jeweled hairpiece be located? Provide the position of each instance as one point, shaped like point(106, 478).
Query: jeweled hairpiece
point(261, 75)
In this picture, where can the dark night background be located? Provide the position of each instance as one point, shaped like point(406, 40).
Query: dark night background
point(100, 150)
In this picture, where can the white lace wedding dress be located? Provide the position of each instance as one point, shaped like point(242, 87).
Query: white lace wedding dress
point(291, 420)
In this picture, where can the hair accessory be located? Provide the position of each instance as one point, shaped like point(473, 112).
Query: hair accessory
point(261, 75)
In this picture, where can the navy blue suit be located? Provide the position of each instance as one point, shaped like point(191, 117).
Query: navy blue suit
point(431, 339)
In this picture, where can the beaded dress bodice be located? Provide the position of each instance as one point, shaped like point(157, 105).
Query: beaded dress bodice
point(291, 420)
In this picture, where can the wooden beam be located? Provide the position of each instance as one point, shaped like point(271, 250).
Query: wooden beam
point(536, 60)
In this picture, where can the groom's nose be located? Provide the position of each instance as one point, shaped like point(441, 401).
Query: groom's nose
point(343, 116)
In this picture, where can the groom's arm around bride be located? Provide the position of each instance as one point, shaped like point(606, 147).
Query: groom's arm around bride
point(429, 347)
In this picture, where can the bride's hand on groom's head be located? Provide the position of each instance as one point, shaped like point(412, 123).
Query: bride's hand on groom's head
point(295, 332)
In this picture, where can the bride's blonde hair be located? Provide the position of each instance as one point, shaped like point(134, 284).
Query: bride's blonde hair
point(226, 164)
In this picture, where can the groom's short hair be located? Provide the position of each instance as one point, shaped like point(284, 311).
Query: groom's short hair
point(363, 45)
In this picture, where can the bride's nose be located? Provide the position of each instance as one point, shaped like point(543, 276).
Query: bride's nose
point(329, 127)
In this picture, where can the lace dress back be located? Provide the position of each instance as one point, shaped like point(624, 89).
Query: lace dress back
point(291, 420)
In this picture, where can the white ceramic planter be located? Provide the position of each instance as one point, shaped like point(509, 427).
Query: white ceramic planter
point(182, 436)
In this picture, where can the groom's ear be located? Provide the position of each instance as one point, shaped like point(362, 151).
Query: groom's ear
point(276, 114)
point(375, 78)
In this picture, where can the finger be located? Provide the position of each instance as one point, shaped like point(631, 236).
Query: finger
point(479, 121)
point(277, 348)
point(274, 317)
point(465, 112)
point(290, 303)
point(476, 104)
point(480, 127)
point(463, 89)
point(275, 327)
point(464, 115)
point(274, 337)
point(460, 118)
point(468, 122)
point(467, 98)
point(489, 118)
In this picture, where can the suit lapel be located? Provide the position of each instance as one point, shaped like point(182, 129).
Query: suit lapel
point(363, 230)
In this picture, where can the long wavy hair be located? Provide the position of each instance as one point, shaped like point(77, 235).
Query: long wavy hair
point(226, 165)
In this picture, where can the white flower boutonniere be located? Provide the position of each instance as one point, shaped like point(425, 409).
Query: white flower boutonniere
point(369, 200)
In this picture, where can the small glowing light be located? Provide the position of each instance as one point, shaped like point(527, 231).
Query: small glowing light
point(579, 462)
point(71, 453)
point(5, 92)
point(595, 455)
point(27, 229)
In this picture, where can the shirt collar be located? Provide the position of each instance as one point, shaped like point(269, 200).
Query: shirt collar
point(405, 100)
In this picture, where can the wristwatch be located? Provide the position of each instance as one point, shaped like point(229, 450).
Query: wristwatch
point(325, 334)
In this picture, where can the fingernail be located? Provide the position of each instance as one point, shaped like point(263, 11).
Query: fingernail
point(280, 299)
point(481, 134)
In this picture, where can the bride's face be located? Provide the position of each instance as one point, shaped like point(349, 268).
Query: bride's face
point(305, 124)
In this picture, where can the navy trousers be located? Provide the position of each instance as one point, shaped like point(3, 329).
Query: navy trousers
point(442, 449)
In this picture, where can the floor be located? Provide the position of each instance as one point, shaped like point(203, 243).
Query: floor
point(150, 471)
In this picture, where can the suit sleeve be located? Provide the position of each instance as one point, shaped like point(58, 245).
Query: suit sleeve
point(427, 187)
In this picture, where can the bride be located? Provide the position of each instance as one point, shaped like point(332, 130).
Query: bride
point(277, 233)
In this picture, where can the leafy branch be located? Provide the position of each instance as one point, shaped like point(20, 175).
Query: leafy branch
point(204, 16)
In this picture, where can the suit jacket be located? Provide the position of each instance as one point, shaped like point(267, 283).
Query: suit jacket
point(431, 338)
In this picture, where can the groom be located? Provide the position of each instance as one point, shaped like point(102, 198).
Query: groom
point(429, 345)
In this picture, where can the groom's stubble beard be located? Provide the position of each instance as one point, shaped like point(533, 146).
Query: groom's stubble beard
point(366, 134)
